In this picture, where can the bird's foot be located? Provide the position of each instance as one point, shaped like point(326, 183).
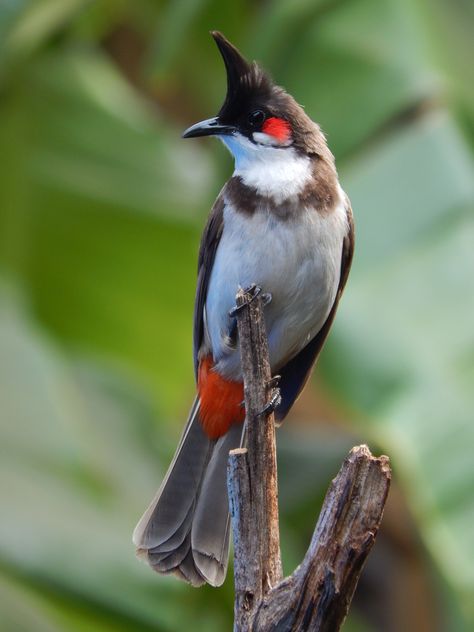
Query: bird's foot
point(253, 290)
point(266, 298)
point(275, 396)
point(274, 381)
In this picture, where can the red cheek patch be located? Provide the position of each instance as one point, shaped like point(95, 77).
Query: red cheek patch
point(278, 128)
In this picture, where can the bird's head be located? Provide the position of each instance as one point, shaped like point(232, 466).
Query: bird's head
point(257, 115)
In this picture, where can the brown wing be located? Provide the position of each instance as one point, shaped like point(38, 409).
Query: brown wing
point(207, 252)
point(296, 372)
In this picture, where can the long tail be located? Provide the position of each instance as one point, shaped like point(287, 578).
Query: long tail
point(185, 530)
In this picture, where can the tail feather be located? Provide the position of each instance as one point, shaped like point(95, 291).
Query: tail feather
point(178, 538)
point(155, 528)
point(211, 516)
point(185, 530)
point(167, 561)
point(188, 572)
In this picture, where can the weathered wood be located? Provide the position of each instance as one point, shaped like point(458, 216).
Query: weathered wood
point(246, 565)
point(260, 440)
point(317, 595)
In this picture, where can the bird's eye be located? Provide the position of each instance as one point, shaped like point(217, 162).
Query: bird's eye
point(256, 118)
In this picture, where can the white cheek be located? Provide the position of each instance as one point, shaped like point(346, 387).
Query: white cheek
point(270, 141)
point(272, 170)
point(279, 173)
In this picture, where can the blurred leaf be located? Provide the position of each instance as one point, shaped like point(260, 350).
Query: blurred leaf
point(21, 611)
point(349, 70)
point(10, 10)
point(35, 22)
point(406, 333)
point(72, 493)
point(100, 182)
point(408, 186)
point(25, 607)
point(448, 29)
point(176, 22)
point(98, 139)
point(100, 212)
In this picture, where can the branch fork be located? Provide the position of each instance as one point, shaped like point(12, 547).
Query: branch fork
point(317, 595)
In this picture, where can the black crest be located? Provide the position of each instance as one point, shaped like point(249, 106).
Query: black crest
point(250, 88)
point(247, 83)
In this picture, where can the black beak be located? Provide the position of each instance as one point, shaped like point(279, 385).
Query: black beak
point(209, 127)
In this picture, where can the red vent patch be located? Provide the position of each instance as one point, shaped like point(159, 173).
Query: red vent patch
point(221, 400)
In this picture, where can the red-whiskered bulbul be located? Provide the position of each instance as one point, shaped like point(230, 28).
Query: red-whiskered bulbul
point(283, 222)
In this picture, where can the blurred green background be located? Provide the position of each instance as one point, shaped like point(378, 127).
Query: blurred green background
point(101, 208)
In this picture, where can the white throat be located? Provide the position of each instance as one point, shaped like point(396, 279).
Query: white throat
point(277, 172)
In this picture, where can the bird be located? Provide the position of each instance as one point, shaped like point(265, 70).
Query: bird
point(283, 223)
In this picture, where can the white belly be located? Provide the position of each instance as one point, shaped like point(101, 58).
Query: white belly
point(297, 260)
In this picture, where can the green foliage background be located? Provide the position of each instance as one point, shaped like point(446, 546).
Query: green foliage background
point(101, 207)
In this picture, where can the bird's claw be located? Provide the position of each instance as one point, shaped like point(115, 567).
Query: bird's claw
point(275, 397)
point(273, 402)
point(254, 290)
point(274, 381)
point(266, 298)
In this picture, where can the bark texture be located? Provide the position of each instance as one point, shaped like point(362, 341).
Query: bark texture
point(318, 594)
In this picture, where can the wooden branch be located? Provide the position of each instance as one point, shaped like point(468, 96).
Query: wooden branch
point(247, 569)
point(318, 594)
point(260, 567)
